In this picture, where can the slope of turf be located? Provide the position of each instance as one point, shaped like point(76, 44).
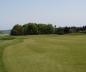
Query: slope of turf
point(47, 54)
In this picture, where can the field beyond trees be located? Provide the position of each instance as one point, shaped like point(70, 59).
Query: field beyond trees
point(43, 53)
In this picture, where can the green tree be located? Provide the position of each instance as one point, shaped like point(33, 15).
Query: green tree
point(50, 29)
point(66, 30)
point(59, 31)
point(17, 30)
point(30, 29)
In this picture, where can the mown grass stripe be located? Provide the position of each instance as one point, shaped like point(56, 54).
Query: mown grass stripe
point(3, 45)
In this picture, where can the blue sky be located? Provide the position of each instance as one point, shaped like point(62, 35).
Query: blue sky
point(57, 12)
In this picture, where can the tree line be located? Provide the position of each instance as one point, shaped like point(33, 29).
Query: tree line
point(36, 29)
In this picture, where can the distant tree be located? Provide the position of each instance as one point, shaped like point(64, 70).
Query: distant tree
point(25, 29)
point(49, 29)
point(30, 29)
point(59, 31)
point(73, 29)
point(34, 29)
point(41, 28)
point(17, 30)
point(83, 30)
point(45, 29)
point(66, 30)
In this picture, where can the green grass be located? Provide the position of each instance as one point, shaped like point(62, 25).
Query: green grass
point(6, 41)
point(7, 38)
point(44, 53)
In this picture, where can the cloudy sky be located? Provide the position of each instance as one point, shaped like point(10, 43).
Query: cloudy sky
point(56, 12)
